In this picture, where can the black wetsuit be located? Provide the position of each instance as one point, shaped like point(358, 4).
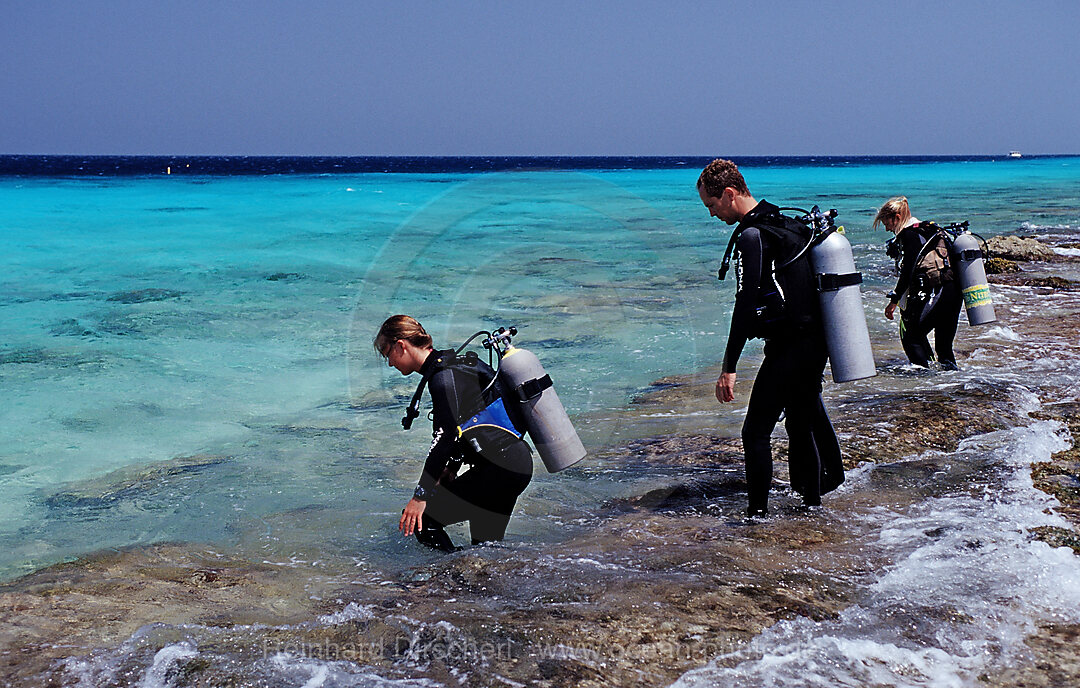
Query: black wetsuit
point(485, 494)
point(926, 309)
point(789, 381)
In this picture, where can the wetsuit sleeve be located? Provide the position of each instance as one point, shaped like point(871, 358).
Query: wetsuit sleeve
point(444, 402)
point(748, 269)
point(911, 242)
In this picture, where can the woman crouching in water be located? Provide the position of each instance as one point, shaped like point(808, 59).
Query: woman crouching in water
point(500, 461)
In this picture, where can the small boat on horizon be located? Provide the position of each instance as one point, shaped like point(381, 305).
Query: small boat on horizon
point(1015, 154)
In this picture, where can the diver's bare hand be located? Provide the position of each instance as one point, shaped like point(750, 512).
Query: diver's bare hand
point(411, 517)
point(725, 387)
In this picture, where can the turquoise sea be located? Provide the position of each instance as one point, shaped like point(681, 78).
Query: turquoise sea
point(187, 358)
point(150, 318)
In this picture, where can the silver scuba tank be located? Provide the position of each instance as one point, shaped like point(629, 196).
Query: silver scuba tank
point(842, 315)
point(970, 272)
point(528, 387)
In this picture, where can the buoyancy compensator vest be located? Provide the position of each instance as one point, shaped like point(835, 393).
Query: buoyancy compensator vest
point(932, 267)
point(810, 281)
point(482, 418)
point(517, 398)
point(785, 298)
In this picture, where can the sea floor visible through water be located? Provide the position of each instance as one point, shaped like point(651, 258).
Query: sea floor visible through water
point(948, 558)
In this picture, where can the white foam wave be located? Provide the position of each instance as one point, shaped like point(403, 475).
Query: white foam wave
point(1033, 227)
point(351, 612)
point(161, 672)
point(999, 332)
point(287, 669)
point(1062, 251)
point(967, 587)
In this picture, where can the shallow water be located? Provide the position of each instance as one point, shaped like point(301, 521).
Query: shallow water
point(188, 361)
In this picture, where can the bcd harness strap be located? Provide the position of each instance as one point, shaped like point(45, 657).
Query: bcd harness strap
point(412, 411)
point(726, 263)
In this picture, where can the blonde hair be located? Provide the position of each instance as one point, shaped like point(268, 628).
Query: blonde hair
point(897, 207)
point(401, 327)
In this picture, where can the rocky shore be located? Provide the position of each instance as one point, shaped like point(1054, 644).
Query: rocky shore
point(664, 581)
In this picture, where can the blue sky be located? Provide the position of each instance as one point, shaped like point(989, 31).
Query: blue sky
point(539, 78)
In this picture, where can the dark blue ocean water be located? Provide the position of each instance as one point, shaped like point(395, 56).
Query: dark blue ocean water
point(128, 165)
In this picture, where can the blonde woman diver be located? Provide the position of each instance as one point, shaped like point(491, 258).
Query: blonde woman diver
point(932, 303)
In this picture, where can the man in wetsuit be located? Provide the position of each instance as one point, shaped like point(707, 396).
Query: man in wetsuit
point(789, 380)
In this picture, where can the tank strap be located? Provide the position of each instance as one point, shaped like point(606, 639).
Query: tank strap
point(970, 255)
point(533, 388)
point(831, 282)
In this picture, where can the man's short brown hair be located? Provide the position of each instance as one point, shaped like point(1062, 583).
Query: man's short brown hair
point(719, 175)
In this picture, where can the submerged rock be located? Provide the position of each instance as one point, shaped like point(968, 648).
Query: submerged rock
point(127, 483)
point(1038, 281)
point(28, 355)
point(904, 425)
point(145, 295)
point(284, 277)
point(71, 328)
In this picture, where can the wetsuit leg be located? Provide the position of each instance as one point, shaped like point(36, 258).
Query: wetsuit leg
point(789, 380)
point(431, 534)
point(945, 318)
point(817, 467)
point(828, 448)
point(484, 495)
point(804, 464)
point(762, 413)
point(913, 331)
point(811, 440)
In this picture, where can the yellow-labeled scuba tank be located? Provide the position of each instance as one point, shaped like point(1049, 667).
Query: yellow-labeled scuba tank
point(969, 270)
point(528, 387)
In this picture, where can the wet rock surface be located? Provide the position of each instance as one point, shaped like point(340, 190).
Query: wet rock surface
point(1016, 248)
point(997, 266)
point(1061, 475)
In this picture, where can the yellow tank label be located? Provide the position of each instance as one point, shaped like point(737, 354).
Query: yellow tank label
point(978, 295)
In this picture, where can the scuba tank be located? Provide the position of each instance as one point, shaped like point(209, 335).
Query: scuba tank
point(520, 394)
point(843, 319)
point(846, 335)
point(968, 259)
point(529, 389)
